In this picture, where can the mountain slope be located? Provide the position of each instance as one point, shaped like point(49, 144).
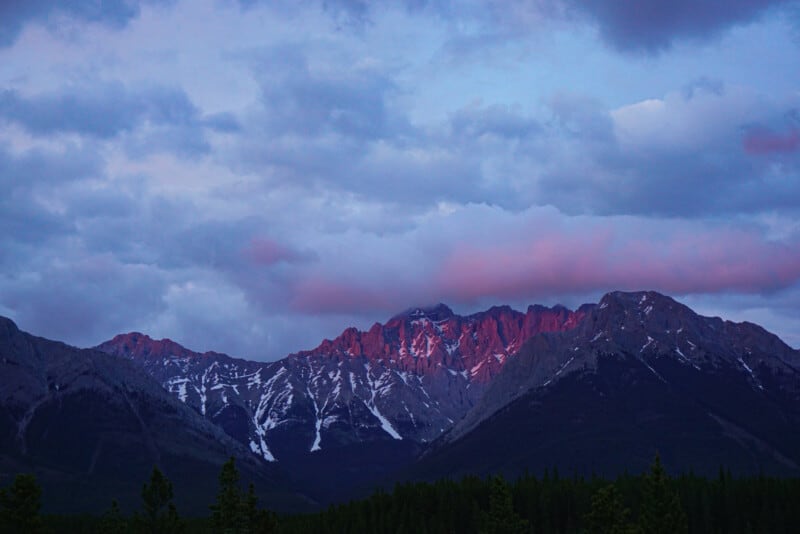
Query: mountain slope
point(409, 379)
point(93, 426)
point(640, 373)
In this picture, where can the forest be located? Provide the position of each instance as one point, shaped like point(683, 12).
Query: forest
point(651, 502)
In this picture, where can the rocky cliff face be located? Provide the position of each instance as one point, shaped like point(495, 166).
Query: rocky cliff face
point(411, 378)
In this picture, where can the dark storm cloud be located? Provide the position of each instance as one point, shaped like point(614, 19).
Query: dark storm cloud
point(653, 25)
point(15, 15)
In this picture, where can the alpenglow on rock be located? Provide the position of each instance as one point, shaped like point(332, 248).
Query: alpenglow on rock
point(411, 378)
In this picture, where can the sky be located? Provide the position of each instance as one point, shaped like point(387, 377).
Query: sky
point(254, 176)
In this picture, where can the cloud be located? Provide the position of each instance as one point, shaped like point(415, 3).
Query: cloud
point(678, 155)
point(77, 297)
point(648, 26)
point(30, 214)
point(310, 181)
point(347, 100)
point(477, 121)
point(147, 120)
point(541, 253)
point(266, 251)
point(671, 156)
point(764, 141)
point(707, 262)
point(14, 16)
point(102, 111)
point(654, 25)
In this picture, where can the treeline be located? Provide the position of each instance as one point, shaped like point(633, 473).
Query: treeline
point(652, 503)
point(235, 511)
point(649, 503)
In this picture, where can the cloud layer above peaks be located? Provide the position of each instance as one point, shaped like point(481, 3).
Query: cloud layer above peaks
point(252, 176)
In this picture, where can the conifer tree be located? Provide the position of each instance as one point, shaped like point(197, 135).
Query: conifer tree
point(229, 513)
point(20, 504)
point(608, 514)
point(661, 511)
point(501, 517)
point(159, 515)
point(113, 522)
point(236, 512)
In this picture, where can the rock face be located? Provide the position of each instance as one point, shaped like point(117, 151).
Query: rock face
point(92, 427)
point(641, 373)
point(409, 379)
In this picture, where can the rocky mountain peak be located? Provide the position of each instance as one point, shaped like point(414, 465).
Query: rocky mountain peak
point(136, 345)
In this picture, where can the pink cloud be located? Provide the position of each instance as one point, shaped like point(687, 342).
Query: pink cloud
point(563, 261)
point(567, 264)
point(768, 142)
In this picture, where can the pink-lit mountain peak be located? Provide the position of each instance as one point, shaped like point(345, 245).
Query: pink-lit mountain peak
point(434, 339)
point(141, 346)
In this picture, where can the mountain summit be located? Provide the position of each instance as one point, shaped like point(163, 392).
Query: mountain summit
point(640, 373)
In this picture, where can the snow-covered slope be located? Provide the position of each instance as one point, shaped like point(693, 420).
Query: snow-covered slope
point(411, 378)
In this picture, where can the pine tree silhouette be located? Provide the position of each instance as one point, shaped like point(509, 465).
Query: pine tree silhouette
point(661, 511)
point(159, 513)
point(113, 522)
point(608, 514)
point(236, 512)
point(501, 517)
point(20, 504)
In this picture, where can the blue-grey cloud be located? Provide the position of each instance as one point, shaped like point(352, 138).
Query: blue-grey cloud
point(27, 181)
point(100, 111)
point(151, 119)
point(351, 101)
point(653, 25)
point(222, 122)
point(676, 157)
point(14, 16)
point(499, 121)
point(65, 296)
point(703, 83)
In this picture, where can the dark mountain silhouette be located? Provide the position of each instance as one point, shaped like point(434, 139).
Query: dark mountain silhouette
point(91, 427)
point(641, 373)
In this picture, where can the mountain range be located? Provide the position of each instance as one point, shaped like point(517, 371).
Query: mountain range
point(429, 394)
point(409, 379)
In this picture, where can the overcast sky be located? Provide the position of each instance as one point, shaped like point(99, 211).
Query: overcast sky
point(252, 176)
